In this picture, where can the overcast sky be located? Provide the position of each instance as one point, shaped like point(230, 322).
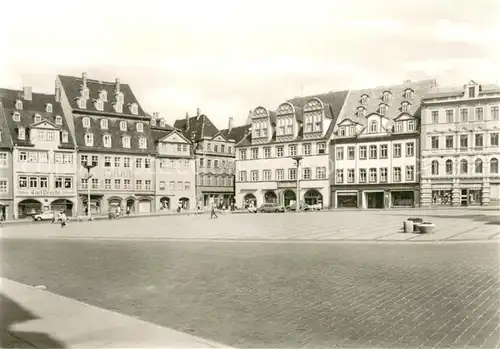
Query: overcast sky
point(227, 57)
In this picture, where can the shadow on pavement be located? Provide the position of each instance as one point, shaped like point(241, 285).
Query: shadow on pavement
point(487, 219)
point(12, 313)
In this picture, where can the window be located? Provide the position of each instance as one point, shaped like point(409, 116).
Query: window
point(33, 181)
point(410, 149)
point(86, 122)
point(340, 176)
point(399, 127)
point(147, 163)
point(373, 126)
point(143, 143)
point(478, 166)
point(472, 92)
point(117, 161)
point(118, 184)
point(255, 153)
point(292, 173)
point(89, 139)
point(147, 184)
point(64, 136)
point(449, 142)
point(350, 153)
point(209, 163)
point(134, 109)
point(126, 142)
point(494, 111)
point(320, 172)
point(118, 107)
point(306, 173)
point(3, 159)
point(373, 175)
point(396, 174)
point(82, 103)
point(23, 182)
point(3, 186)
point(139, 127)
point(383, 151)
point(464, 166)
point(94, 160)
point(494, 139)
point(479, 113)
point(364, 99)
point(464, 115)
point(464, 141)
point(123, 126)
point(107, 161)
point(266, 174)
point(449, 116)
point(138, 184)
point(187, 186)
point(171, 185)
point(292, 149)
point(21, 133)
point(434, 142)
point(340, 153)
point(494, 165)
point(58, 182)
point(127, 184)
point(32, 157)
point(58, 120)
point(306, 148)
point(478, 140)
point(216, 148)
point(435, 117)
point(44, 182)
point(342, 131)
point(386, 96)
point(16, 116)
point(373, 151)
point(411, 125)
point(352, 130)
point(383, 174)
point(43, 157)
point(19, 104)
point(106, 140)
point(350, 175)
point(267, 152)
point(434, 168)
point(138, 163)
point(361, 112)
point(126, 162)
point(410, 173)
point(216, 164)
point(362, 152)
point(243, 154)
point(448, 167)
point(243, 176)
point(280, 174)
point(362, 175)
point(279, 151)
point(99, 105)
point(405, 107)
point(321, 147)
point(104, 124)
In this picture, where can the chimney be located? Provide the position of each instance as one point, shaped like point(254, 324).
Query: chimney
point(84, 80)
point(197, 112)
point(230, 125)
point(117, 85)
point(58, 92)
point(28, 96)
point(187, 121)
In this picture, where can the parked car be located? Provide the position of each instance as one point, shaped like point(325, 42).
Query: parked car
point(252, 209)
point(316, 207)
point(271, 208)
point(293, 207)
point(45, 216)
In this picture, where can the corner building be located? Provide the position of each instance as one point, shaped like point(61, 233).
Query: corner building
point(460, 146)
point(112, 133)
point(266, 171)
point(43, 153)
point(375, 150)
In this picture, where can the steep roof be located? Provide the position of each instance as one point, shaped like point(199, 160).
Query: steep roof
point(37, 105)
point(394, 104)
point(458, 91)
point(237, 133)
point(199, 127)
point(5, 137)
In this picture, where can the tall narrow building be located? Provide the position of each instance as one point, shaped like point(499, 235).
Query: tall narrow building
point(6, 168)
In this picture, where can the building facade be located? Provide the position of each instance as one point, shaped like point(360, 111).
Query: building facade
point(375, 150)
point(460, 149)
point(112, 133)
point(43, 153)
point(214, 155)
point(6, 166)
point(175, 183)
point(286, 152)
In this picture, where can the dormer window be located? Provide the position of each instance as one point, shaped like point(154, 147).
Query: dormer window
point(123, 126)
point(361, 112)
point(118, 107)
point(382, 109)
point(58, 120)
point(86, 122)
point(162, 123)
point(408, 94)
point(21, 133)
point(64, 136)
point(82, 103)
point(364, 99)
point(143, 143)
point(89, 139)
point(352, 130)
point(104, 124)
point(103, 95)
point(411, 125)
point(373, 127)
point(126, 142)
point(37, 118)
point(153, 122)
point(99, 105)
point(16, 116)
point(48, 108)
point(386, 97)
point(134, 108)
point(399, 127)
point(85, 93)
point(342, 131)
point(119, 98)
point(106, 140)
point(472, 92)
point(19, 104)
point(139, 127)
point(405, 107)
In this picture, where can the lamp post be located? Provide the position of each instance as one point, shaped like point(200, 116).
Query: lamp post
point(297, 162)
point(89, 165)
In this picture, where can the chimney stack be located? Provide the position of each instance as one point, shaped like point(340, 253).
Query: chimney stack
point(187, 120)
point(117, 85)
point(84, 80)
point(58, 92)
point(197, 112)
point(230, 126)
point(28, 96)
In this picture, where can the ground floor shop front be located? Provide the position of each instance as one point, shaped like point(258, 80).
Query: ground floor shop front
point(175, 202)
point(6, 210)
point(26, 207)
point(377, 197)
point(460, 192)
point(126, 203)
point(281, 196)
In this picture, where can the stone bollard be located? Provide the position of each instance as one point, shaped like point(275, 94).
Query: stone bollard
point(427, 228)
point(408, 226)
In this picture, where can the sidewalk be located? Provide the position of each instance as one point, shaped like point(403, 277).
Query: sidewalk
point(36, 318)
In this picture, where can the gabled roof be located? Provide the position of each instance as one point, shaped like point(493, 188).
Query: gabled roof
point(36, 105)
point(199, 127)
point(44, 121)
point(237, 133)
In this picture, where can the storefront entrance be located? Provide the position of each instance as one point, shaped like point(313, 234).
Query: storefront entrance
point(375, 199)
point(313, 197)
point(270, 197)
point(289, 197)
point(403, 198)
point(62, 204)
point(470, 197)
point(184, 203)
point(28, 208)
point(249, 200)
point(144, 205)
point(442, 197)
point(347, 200)
point(130, 205)
point(164, 203)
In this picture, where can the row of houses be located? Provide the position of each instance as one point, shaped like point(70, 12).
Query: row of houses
point(91, 144)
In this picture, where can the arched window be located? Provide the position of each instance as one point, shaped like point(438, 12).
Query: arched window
point(373, 126)
point(464, 167)
point(435, 167)
point(86, 122)
point(478, 166)
point(449, 167)
point(494, 165)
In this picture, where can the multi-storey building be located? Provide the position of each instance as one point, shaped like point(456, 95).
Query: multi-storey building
point(300, 129)
point(43, 154)
point(175, 167)
point(460, 151)
point(112, 133)
point(214, 155)
point(375, 151)
point(6, 165)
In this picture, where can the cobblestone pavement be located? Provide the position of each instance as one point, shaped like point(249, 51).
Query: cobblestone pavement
point(452, 225)
point(282, 294)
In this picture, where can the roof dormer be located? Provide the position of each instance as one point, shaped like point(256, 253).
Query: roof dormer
point(48, 107)
point(103, 95)
point(82, 102)
point(260, 112)
point(361, 112)
point(19, 104)
point(162, 123)
point(99, 104)
point(313, 104)
point(386, 96)
point(285, 109)
point(472, 89)
point(364, 99)
point(152, 122)
point(134, 108)
point(408, 94)
point(382, 108)
point(405, 107)
point(37, 118)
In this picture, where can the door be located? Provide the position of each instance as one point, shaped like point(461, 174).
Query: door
point(144, 206)
point(464, 197)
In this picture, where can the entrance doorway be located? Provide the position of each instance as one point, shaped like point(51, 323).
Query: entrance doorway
point(375, 200)
point(28, 208)
point(3, 212)
point(249, 200)
point(289, 197)
point(130, 203)
point(62, 204)
point(470, 197)
point(184, 203)
point(313, 197)
point(164, 203)
point(270, 197)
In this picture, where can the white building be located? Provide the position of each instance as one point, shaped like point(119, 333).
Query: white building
point(265, 167)
point(375, 150)
point(460, 152)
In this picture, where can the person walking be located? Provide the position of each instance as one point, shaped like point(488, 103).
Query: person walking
point(63, 218)
point(213, 214)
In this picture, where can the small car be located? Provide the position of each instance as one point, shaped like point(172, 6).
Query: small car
point(270, 207)
point(316, 207)
point(293, 207)
point(44, 216)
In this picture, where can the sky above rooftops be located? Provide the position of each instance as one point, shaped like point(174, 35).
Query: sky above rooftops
point(226, 57)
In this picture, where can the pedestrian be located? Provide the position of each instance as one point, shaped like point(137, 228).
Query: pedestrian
point(63, 219)
point(128, 210)
point(213, 213)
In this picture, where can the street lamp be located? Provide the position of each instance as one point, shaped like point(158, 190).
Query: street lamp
point(89, 165)
point(297, 162)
